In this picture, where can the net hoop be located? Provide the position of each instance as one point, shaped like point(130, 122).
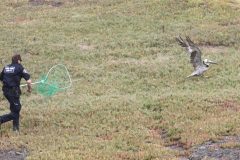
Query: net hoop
point(67, 72)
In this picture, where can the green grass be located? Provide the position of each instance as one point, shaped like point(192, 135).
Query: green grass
point(131, 76)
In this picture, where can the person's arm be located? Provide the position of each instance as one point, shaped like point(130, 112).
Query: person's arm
point(26, 76)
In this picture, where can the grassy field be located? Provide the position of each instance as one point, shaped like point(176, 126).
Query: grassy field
point(130, 88)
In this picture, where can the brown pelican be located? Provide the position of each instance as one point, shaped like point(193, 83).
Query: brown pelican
point(195, 57)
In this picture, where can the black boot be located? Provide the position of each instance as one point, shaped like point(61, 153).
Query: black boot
point(16, 124)
point(16, 128)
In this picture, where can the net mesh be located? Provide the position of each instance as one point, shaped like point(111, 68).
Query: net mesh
point(57, 79)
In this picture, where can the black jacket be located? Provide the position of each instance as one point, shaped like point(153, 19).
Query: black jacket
point(12, 74)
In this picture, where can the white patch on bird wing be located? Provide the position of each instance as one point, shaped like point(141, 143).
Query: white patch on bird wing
point(190, 49)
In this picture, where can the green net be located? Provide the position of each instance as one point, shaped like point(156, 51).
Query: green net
point(46, 89)
point(57, 79)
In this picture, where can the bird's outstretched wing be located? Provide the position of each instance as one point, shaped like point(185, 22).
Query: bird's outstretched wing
point(193, 50)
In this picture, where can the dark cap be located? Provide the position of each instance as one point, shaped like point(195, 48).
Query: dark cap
point(16, 57)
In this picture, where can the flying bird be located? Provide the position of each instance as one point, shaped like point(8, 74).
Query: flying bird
point(195, 57)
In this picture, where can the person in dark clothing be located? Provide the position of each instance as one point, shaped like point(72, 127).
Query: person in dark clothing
point(11, 76)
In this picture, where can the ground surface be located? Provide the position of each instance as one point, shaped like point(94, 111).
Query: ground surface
point(130, 98)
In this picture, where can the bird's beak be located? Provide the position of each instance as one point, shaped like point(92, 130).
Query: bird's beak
point(212, 62)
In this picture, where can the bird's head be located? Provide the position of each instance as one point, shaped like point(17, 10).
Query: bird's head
point(207, 62)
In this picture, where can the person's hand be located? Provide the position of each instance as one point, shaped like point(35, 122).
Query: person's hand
point(29, 88)
point(29, 82)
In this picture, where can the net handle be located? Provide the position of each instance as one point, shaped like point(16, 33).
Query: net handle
point(23, 85)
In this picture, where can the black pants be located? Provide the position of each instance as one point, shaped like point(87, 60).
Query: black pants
point(13, 97)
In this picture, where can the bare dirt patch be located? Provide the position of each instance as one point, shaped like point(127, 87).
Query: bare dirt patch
point(85, 47)
point(20, 20)
point(227, 104)
point(36, 2)
point(13, 154)
point(53, 3)
point(225, 148)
